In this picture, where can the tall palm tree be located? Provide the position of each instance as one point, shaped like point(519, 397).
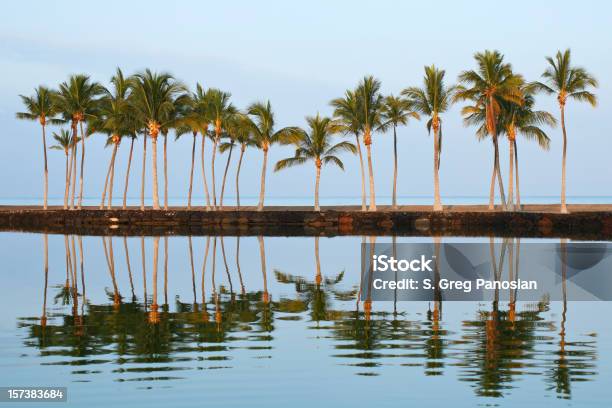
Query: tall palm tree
point(347, 113)
point(220, 110)
point(396, 111)
point(116, 120)
point(238, 130)
point(244, 137)
point(489, 86)
point(202, 115)
point(77, 101)
point(523, 119)
point(65, 142)
point(316, 145)
point(370, 103)
point(40, 107)
point(567, 82)
point(154, 101)
point(265, 135)
point(432, 100)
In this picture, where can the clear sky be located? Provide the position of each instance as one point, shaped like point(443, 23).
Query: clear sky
point(300, 55)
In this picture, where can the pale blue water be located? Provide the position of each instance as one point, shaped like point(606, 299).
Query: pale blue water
point(301, 345)
point(325, 200)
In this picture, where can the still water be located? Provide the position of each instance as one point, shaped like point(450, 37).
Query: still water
point(273, 321)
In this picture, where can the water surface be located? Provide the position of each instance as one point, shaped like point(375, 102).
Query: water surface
point(275, 321)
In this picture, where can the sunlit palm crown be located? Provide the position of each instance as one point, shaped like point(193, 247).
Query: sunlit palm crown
point(239, 129)
point(490, 85)
point(64, 140)
point(77, 100)
point(315, 144)
point(396, 111)
point(370, 103)
point(39, 107)
point(567, 81)
point(433, 98)
point(347, 112)
point(153, 98)
point(263, 130)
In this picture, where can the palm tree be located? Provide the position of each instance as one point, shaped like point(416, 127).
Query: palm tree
point(265, 136)
point(567, 82)
point(77, 101)
point(396, 111)
point(65, 143)
point(220, 110)
point(370, 103)
point(117, 121)
point(489, 86)
point(347, 113)
point(316, 145)
point(432, 100)
point(154, 101)
point(40, 107)
point(525, 120)
point(238, 128)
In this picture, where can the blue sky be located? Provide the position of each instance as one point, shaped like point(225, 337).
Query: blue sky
point(300, 55)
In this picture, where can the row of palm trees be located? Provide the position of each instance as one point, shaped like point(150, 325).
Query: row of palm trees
point(500, 103)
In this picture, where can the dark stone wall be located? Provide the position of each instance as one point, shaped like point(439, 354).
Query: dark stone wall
point(576, 225)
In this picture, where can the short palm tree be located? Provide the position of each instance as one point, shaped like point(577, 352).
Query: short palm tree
point(220, 111)
point(489, 86)
point(116, 120)
point(432, 100)
point(77, 101)
point(316, 145)
point(265, 135)
point(370, 103)
point(154, 97)
point(567, 82)
point(40, 107)
point(347, 114)
point(395, 112)
point(65, 142)
point(523, 119)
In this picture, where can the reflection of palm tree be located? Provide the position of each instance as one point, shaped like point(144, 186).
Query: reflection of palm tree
point(193, 287)
point(43, 318)
point(166, 272)
point(153, 314)
point(229, 278)
point(262, 256)
point(242, 289)
point(110, 262)
point(129, 268)
point(205, 316)
point(144, 271)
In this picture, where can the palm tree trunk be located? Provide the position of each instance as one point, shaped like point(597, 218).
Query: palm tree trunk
point(166, 271)
point(46, 188)
point(511, 177)
point(204, 173)
point(127, 174)
point(371, 174)
point(110, 164)
point(212, 166)
point(73, 170)
point(563, 179)
point(129, 267)
point(363, 189)
point(242, 288)
point(318, 277)
point(437, 202)
point(67, 181)
point(242, 148)
point(262, 256)
point(191, 172)
point(155, 183)
point(144, 270)
point(518, 191)
point(262, 190)
point(229, 158)
point(492, 188)
point(112, 177)
point(316, 201)
point(144, 172)
point(394, 201)
point(82, 166)
point(165, 172)
point(499, 177)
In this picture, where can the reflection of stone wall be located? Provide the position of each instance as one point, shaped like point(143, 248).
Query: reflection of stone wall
point(578, 225)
